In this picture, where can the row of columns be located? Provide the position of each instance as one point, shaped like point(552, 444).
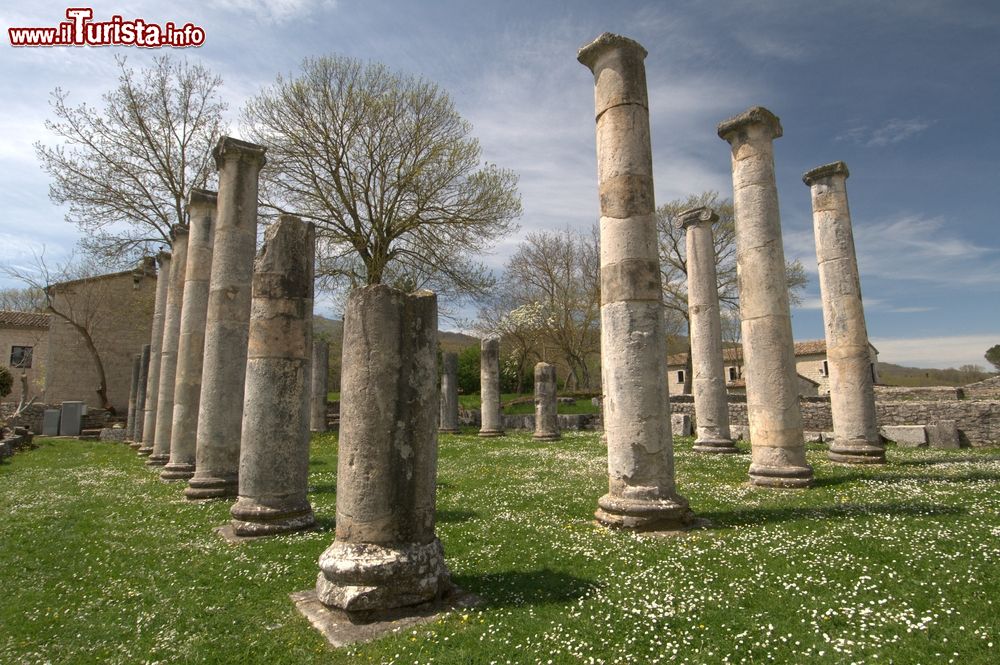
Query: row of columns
point(636, 407)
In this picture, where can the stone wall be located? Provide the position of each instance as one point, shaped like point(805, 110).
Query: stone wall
point(38, 340)
point(922, 393)
point(987, 389)
point(31, 418)
point(120, 310)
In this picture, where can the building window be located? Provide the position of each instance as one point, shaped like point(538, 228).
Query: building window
point(680, 376)
point(20, 356)
point(733, 375)
point(825, 370)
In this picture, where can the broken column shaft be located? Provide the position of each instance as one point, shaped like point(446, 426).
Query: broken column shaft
point(386, 553)
point(489, 388)
point(319, 388)
point(140, 397)
point(449, 393)
point(546, 404)
point(274, 452)
point(155, 348)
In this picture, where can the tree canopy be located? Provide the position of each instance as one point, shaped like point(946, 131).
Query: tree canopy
point(388, 170)
point(993, 356)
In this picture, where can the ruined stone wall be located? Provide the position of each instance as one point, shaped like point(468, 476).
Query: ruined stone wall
point(119, 309)
point(987, 389)
point(923, 393)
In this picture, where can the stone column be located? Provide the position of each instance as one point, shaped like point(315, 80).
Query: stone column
point(449, 393)
point(140, 397)
point(546, 410)
point(385, 553)
point(778, 454)
point(220, 412)
point(274, 453)
point(155, 348)
point(320, 372)
point(133, 392)
point(708, 380)
point(852, 395)
point(489, 388)
point(641, 490)
point(191, 344)
point(168, 354)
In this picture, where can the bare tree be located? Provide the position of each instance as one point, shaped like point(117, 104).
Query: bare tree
point(125, 170)
point(388, 170)
point(22, 300)
point(561, 272)
point(673, 262)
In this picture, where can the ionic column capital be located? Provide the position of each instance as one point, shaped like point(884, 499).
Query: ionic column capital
point(693, 216)
point(755, 115)
point(825, 171)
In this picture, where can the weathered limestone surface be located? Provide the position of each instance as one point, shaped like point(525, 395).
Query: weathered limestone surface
point(449, 393)
point(386, 553)
point(546, 414)
point(168, 354)
point(140, 397)
point(778, 455)
point(641, 489)
point(274, 454)
point(133, 393)
point(852, 396)
point(191, 344)
point(943, 434)
point(489, 387)
point(319, 373)
point(155, 348)
point(708, 380)
point(907, 436)
point(220, 413)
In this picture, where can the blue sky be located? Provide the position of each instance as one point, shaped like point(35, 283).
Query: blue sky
point(905, 92)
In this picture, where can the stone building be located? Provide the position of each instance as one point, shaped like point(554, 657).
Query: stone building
point(810, 364)
point(24, 344)
point(117, 311)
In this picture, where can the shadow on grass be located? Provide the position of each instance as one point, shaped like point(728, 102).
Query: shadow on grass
point(517, 588)
point(967, 477)
point(944, 460)
point(724, 519)
point(326, 523)
point(323, 488)
point(317, 462)
point(454, 515)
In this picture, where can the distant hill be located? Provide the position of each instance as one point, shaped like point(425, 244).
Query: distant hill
point(897, 375)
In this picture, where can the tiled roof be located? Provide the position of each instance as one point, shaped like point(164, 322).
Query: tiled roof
point(23, 320)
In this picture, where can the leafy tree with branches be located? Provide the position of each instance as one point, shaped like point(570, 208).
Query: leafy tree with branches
point(125, 170)
point(993, 356)
point(389, 172)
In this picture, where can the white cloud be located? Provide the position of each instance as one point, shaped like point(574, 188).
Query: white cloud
point(935, 352)
point(891, 131)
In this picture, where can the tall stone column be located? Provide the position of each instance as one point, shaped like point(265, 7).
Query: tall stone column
point(227, 324)
point(191, 344)
point(274, 454)
point(708, 381)
point(778, 454)
point(641, 490)
point(168, 354)
point(320, 372)
point(546, 404)
point(155, 348)
point(133, 393)
point(140, 397)
point(386, 553)
point(852, 395)
point(489, 388)
point(449, 393)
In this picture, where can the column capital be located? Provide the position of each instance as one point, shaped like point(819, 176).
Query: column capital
point(755, 115)
point(589, 54)
point(178, 231)
point(202, 197)
point(698, 215)
point(825, 171)
point(230, 148)
point(162, 257)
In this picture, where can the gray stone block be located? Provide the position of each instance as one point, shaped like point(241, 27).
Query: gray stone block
point(50, 422)
point(943, 434)
point(907, 436)
point(70, 418)
point(680, 424)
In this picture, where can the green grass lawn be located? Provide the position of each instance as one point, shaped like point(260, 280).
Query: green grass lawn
point(102, 562)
